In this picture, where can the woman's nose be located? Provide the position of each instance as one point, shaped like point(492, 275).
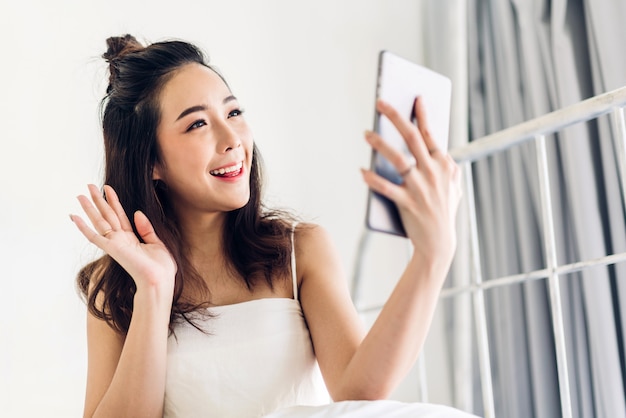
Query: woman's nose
point(228, 139)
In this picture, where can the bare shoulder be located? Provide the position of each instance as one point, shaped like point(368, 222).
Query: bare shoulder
point(312, 244)
point(317, 259)
point(308, 233)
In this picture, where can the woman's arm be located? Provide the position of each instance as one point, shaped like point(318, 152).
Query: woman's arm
point(356, 365)
point(370, 367)
point(126, 374)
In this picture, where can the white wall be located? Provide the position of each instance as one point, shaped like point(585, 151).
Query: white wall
point(305, 73)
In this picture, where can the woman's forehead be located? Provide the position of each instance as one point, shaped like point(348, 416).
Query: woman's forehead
point(192, 85)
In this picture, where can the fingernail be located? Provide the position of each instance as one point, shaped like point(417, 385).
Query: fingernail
point(71, 217)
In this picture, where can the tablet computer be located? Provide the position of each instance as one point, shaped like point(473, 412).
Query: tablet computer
point(399, 82)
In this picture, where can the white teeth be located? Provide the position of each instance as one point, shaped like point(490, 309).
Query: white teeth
point(222, 171)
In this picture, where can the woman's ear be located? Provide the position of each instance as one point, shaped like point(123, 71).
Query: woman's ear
point(156, 172)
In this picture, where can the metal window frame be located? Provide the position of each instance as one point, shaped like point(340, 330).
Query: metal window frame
point(537, 129)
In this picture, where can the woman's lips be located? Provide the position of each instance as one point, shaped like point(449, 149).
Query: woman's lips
point(229, 171)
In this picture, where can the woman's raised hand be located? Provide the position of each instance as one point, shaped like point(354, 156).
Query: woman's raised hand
point(148, 263)
point(429, 196)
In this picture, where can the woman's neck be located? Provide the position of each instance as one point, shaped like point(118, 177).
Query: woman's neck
point(202, 235)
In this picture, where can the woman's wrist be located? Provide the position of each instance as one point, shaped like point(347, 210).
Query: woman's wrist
point(155, 293)
point(433, 269)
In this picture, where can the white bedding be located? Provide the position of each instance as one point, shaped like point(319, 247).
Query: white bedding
point(371, 409)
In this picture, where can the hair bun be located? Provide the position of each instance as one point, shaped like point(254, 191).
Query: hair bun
point(118, 46)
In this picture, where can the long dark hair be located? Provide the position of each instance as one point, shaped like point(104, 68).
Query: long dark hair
point(256, 241)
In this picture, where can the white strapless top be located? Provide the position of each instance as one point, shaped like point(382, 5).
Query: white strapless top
point(255, 358)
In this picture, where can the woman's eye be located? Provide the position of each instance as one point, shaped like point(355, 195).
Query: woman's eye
point(196, 124)
point(236, 112)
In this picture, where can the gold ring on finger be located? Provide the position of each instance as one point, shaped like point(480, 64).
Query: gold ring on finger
point(107, 232)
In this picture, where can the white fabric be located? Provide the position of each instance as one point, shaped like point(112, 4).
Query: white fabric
point(371, 409)
point(256, 358)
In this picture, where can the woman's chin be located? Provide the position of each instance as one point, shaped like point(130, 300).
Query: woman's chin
point(238, 203)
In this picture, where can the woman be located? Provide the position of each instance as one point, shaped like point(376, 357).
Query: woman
point(208, 304)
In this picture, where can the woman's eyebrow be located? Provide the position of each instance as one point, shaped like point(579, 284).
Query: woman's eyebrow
point(229, 99)
point(200, 108)
point(191, 109)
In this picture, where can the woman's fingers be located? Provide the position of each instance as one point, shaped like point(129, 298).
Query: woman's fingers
point(115, 204)
point(394, 156)
point(101, 225)
point(145, 228)
point(106, 215)
point(407, 130)
point(106, 212)
point(422, 125)
point(382, 186)
point(93, 236)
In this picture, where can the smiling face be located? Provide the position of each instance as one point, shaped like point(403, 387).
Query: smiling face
point(205, 145)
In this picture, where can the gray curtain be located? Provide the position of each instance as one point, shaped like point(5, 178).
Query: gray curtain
point(527, 58)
